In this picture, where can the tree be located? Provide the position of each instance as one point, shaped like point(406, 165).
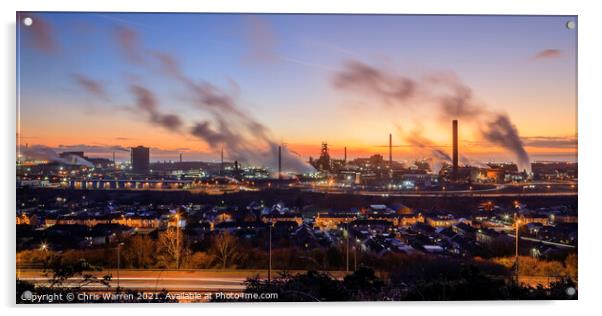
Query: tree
point(334, 258)
point(311, 286)
point(138, 252)
point(80, 271)
point(68, 277)
point(200, 260)
point(33, 257)
point(172, 252)
point(532, 267)
point(571, 265)
point(224, 249)
point(363, 284)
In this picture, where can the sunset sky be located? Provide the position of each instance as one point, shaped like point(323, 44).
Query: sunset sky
point(192, 83)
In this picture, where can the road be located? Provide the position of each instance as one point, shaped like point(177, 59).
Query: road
point(171, 280)
point(500, 190)
point(153, 280)
point(543, 241)
point(446, 193)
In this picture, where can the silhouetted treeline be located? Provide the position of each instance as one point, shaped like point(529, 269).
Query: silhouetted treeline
point(471, 283)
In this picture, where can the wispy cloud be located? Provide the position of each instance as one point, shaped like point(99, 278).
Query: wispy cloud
point(551, 142)
point(307, 63)
point(548, 54)
point(121, 21)
point(261, 39)
point(92, 86)
point(128, 42)
point(91, 148)
point(42, 34)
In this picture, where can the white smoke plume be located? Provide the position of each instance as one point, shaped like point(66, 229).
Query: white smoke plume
point(455, 100)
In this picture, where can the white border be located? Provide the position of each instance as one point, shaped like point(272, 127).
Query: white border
point(589, 144)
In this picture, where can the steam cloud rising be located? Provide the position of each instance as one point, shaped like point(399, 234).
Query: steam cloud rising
point(416, 139)
point(246, 139)
point(146, 102)
point(40, 152)
point(224, 124)
point(501, 131)
point(454, 98)
point(366, 79)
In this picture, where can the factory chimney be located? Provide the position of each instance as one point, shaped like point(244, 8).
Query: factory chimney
point(345, 157)
point(180, 157)
point(279, 162)
point(221, 168)
point(390, 150)
point(455, 149)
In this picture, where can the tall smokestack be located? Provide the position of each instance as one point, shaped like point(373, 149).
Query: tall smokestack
point(455, 149)
point(390, 150)
point(345, 157)
point(180, 157)
point(279, 162)
point(221, 168)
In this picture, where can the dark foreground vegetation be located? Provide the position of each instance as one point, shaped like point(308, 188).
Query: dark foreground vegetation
point(364, 285)
point(415, 278)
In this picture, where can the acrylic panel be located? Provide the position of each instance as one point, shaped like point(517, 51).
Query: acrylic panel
point(194, 157)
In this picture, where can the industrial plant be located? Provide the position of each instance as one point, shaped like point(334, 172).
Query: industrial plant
point(75, 170)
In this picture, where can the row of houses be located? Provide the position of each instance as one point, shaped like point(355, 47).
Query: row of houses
point(376, 228)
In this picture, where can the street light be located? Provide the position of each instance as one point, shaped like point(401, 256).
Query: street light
point(270, 250)
point(44, 249)
point(516, 224)
point(346, 235)
point(177, 240)
point(354, 258)
point(534, 253)
point(118, 263)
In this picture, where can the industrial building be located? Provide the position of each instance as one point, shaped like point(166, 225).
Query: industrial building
point(140, 159)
